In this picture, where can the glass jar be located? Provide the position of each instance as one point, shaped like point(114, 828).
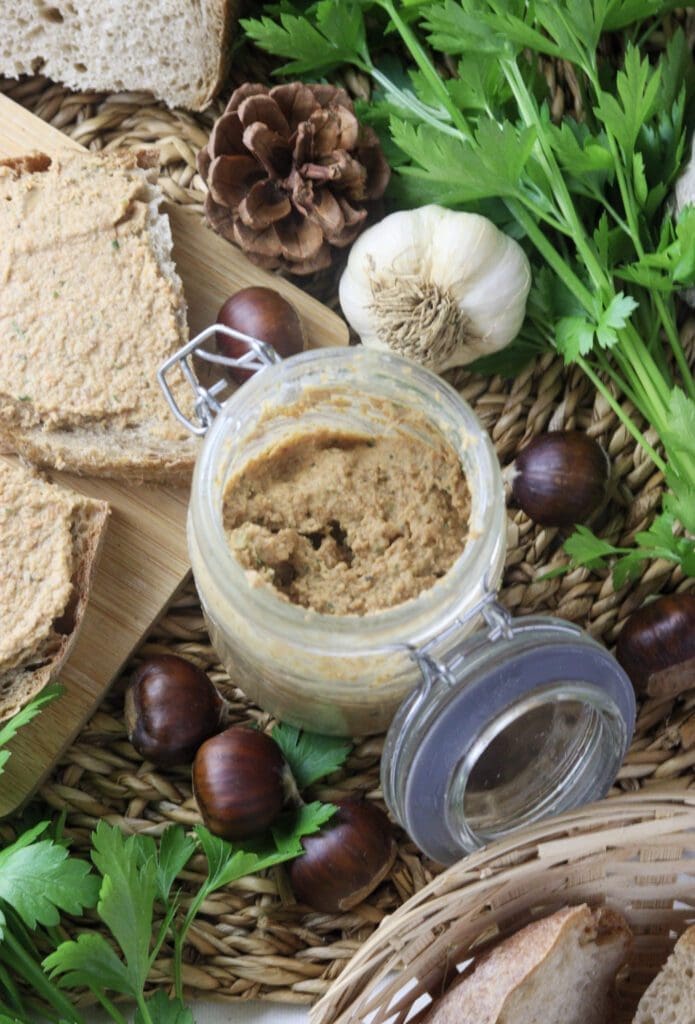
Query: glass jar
point(345, 674)
point(490, 728)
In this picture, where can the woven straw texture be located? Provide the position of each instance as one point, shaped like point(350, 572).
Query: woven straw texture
point(633, 855)
point(252, 940)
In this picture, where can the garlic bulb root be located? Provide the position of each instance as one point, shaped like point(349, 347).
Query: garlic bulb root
point(436, 286)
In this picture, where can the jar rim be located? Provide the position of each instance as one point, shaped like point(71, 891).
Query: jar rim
point(412, 621)
point(566, 785)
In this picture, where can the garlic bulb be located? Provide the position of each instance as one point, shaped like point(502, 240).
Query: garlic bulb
point(439, 287)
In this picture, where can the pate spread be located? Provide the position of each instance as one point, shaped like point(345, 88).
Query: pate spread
point(37, 545)
point(86, 314)
point(349, 523)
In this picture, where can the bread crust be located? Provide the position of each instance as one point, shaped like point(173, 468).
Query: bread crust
point(19, 685)
point(481, 995)
point(226, 13)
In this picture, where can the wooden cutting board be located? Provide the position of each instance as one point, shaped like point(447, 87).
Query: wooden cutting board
point(144, 559)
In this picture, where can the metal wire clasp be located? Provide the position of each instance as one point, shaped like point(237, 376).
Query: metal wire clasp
point(497, 619)
point(258, 355)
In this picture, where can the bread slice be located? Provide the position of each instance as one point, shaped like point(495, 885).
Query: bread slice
point(559, 970)
point(176, 49)
point(90, 306)
point(50, 539)
point(670, 999)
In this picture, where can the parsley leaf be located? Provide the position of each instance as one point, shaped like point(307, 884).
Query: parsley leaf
point(38, 879)
point(9, 730)
point(681, 412)
point(309, 755)
point(337, 37)
point(126, 899)
point(659, 541)
point(163, 1010)
point(175, 851)
point(170, 857)
point(638, 88)
point(228, 862)
point(509, 361)
point(585, 548)
point(574, 337)
point(613, 318)
point(289, 829)
point(91, 962)
point(490, 164)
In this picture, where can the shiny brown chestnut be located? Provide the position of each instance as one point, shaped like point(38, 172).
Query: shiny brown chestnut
point(264, 314)
point(171, 707)
point(241, 782)
point(656, 646)
point(346, 860)
point(560, 478)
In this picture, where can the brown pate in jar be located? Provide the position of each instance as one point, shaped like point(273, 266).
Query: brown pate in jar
point(349, 523)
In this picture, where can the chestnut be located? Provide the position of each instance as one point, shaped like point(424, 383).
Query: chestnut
point(241, 782)
point(264, 314)
point(657, 646)
point(346, 860)
point(560, 478)
point(171, 707)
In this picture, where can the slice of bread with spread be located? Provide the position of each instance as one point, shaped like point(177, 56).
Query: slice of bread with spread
point(90, 306)
point(178, 50)
point(670, 999)
point(50, 539)
point(558, 970)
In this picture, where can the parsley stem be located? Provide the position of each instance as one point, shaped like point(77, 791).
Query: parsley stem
point(143, 1008)
point(430, 73)
point(11, 990)
point(530, 115)
point(551, 255)
point(627, 422)
point(652, 382)
point(109, 1006)
point(181, 935)
point(536, 209)
point(628, 198)
point(412, 103)
point(598, 195)
point(16, 957)
point(610, 371)
point(674, 341)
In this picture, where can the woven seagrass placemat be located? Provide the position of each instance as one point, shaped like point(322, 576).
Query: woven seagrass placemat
point(251, 940)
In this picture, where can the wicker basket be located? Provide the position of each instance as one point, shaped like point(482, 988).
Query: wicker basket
point(632, 854)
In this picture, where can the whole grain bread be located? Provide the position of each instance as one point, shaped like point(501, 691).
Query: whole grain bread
point(558, 970)
point(176, 49)
point(670, 999)
point(90, 305)
point(50, 539)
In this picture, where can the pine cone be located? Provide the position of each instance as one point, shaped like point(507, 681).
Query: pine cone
point(291, 173)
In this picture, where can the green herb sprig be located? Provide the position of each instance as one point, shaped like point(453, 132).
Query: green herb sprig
point(586, 197)
point(136, 898)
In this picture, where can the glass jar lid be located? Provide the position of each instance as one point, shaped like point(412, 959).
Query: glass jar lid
point(523, 720)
